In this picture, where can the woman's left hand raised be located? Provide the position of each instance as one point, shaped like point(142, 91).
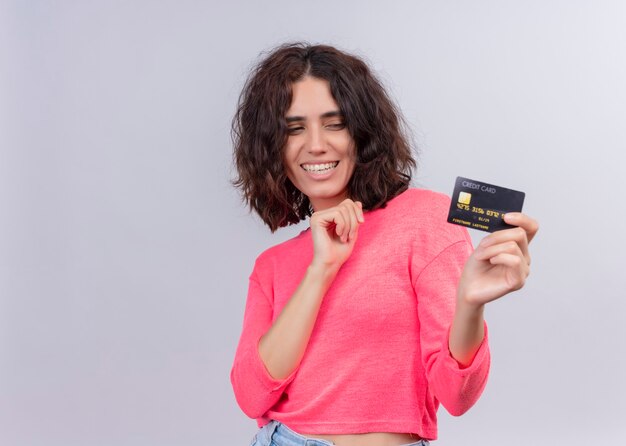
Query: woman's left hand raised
point(500, 263)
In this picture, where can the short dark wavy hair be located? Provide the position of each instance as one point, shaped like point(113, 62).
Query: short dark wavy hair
point(384, 161)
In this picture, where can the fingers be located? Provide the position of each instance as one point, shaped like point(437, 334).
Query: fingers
point(509, 249)
point(346, 221)
point(353, 214)
point(507, 253)
point(346, 217)
point(529, 225)
point(517, 269)
point(516, 235)
point(501, 261)
point(360, 213)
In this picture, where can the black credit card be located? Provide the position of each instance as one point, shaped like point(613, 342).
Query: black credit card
point(479, 205)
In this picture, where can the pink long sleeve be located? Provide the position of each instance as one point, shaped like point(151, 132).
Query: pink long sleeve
point(255, 389)
point(378, 357)
point(456, 388)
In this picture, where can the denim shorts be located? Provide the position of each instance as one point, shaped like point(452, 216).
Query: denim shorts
point(276, 433)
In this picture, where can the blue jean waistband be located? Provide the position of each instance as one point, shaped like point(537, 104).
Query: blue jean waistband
point(283, 436)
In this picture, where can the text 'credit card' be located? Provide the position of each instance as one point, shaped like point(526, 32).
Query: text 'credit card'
point(479, 205)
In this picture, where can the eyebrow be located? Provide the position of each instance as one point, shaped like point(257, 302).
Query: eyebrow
point(329, 114)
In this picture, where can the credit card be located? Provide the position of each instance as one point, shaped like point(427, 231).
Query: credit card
point(479, 205)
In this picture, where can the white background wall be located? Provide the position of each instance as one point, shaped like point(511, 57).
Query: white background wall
point(125, 254)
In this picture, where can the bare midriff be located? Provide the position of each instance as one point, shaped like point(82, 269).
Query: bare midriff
point(369, 439)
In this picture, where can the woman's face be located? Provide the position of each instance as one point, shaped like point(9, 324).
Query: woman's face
point(319, 155)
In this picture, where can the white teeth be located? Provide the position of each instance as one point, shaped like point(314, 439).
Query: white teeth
point(320, 167)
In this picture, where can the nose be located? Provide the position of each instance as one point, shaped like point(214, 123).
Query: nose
point(315, 140)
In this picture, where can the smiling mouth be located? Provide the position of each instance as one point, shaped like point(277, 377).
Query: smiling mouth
point(320, 168)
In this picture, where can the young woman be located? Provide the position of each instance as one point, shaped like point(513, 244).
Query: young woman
point(359, 327)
